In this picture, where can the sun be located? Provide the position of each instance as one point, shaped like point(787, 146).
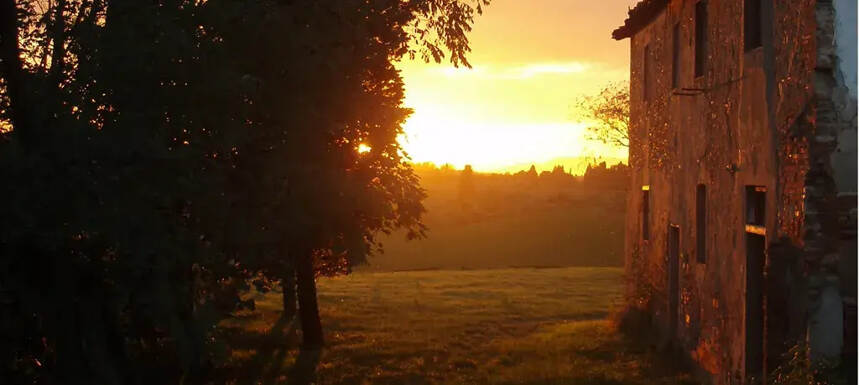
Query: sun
point(486, 145)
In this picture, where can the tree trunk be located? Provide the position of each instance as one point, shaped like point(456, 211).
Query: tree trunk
point(58, 44)
point(308, 308)
point(287, 284)
point(11, 70)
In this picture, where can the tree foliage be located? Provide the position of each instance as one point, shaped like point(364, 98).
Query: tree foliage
point(466, 186)
point(606, 114)
point(157, 157)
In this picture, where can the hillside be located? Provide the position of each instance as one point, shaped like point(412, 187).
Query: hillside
point(497, 221)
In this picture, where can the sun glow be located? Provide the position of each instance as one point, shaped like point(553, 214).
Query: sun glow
point(488, 146)
point(513, 108)
point(499, 119)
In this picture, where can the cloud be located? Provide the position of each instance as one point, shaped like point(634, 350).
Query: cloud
point(552, 68)
point(461, 71)
point(527, 71)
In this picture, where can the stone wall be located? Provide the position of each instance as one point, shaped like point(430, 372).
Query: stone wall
point(830, 248)
point(773, 117)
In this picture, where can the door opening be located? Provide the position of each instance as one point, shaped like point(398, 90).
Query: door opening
point(755, 259)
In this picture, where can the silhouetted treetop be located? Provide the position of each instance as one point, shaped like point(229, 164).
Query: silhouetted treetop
point(606, 115)
point(158, 157)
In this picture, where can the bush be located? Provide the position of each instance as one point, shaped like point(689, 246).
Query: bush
point(799, 369)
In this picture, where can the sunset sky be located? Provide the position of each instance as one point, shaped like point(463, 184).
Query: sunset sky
point(530, 59)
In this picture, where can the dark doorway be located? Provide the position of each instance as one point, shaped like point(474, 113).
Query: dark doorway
point(755, 258)
point(673, 277)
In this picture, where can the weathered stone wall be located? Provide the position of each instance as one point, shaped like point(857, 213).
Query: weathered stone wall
point(692, 135)
point(752, 119)
point(789, 63)
point(830, 237)
point(846, 43)
point(845, 156)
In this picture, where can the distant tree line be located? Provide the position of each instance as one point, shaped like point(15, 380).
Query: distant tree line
point(158, 159)
point(598, 176)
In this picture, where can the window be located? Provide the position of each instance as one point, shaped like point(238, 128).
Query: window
point(756, 205)
point(646, 73)
point(645, 213)
point(701, 223)
point(675, 63)
point(700, 37)
point(752, 23)
point(673, 277)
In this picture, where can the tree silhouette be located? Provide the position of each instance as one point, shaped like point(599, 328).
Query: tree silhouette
point(601, 176)
point(318, 201)
point(606, 114)
point(163, 155)
point(466, 185)
point(108, 260)
point(532, 172)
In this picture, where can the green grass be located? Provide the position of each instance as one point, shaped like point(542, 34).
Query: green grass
point(510, 326)
point(511, 225)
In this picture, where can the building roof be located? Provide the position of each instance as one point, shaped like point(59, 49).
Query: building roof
point(639, 17)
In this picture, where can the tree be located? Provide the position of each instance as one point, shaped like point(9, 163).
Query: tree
point(219, 162)
point(466, 186)
point(606, 114)
point(532, 172)
point(108, 271)
point(318, 202)
point(599, 176)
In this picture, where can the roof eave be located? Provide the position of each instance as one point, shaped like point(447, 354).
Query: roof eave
point(639, 17)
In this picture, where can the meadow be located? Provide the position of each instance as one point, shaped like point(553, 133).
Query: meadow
point(501, 326)
point(510, 221)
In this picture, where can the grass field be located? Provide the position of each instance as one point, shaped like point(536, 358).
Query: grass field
point(508, 326)
point(510, 223)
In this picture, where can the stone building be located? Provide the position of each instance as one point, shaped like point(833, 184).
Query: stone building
point(741, 224)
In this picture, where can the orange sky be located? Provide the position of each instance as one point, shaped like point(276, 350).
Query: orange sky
point(531, 59)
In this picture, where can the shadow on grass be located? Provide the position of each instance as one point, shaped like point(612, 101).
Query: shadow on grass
point(571, 380)
point(666, 363)
point(303, 371)
point(269, 353)
point(663, 361)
